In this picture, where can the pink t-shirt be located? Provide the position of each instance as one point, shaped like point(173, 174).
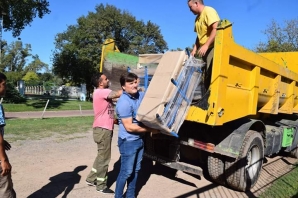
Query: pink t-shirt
point(103, 109)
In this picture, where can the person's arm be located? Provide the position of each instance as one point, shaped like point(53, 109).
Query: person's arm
point(115, 94)
point(195, 47)
point(134, 128)
point(203, 49)
point(5, 165)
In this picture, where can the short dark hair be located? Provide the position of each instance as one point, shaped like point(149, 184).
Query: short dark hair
point(127, 77)
point(200, 1)
point(96, 79)
point(2, 77)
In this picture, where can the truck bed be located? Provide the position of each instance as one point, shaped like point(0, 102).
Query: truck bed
point(245, 83)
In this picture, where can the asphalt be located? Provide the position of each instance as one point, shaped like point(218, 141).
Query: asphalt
point(47, 114)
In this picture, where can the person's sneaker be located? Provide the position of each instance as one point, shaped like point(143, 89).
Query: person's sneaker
point(106, 191)
point(90, 183)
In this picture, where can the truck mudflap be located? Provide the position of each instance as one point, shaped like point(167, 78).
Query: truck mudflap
point(231, 145)
point(175, 165)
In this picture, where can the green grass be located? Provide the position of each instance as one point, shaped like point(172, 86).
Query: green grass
point(284, 187)
point(35, 129)
point(54, 105)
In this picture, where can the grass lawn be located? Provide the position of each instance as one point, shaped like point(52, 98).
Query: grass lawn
point(53, 105)
point(284, 187)
point(34, 129)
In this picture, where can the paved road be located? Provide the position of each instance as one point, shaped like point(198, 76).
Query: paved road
point(48, 114)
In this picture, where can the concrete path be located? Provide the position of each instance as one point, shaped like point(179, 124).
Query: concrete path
point(48, 114)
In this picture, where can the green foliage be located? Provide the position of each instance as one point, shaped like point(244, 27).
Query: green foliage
point(31, 78)
point(13, 77)
point(46, 77)
point(37, 65)
point(78, 49)
point(280, 38)
point(14, 56)
point(12, 95)
point(18, 14)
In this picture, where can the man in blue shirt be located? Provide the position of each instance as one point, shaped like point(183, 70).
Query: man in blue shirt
point(130, 134)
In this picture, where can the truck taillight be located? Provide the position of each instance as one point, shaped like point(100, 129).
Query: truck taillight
point(200, 145)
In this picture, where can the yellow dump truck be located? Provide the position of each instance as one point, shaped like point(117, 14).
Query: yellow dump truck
point(247, 114)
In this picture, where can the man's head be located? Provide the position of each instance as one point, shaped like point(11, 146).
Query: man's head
point(129, 83)
point(196, 6)
point(2, 84)
point(99, 80)
point(193, 1)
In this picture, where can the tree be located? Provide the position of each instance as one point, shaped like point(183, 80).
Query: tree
point(13, 77)
point(13, 60)
point(46, 77)
point(37, 65)
point(78, 49)
point(12, 95)
point(18, 14)
point(31, 78)
point(280, 38)
point(14, 56)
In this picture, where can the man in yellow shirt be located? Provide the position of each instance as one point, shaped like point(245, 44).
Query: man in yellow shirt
point(205, 26)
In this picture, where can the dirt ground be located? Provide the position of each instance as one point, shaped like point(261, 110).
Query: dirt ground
point(58, 166)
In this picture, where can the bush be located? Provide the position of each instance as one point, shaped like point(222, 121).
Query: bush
point(13, 95)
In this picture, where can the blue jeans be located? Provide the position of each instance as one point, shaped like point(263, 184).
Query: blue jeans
point(131, 157)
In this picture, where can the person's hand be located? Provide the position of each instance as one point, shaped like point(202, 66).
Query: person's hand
point(142, 89)
point(6, 167)
point(202, 51)
point(154, 132)
point(7, 146)
point(116, 121)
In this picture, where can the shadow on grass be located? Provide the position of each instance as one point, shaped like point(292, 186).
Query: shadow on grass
point(39, 104)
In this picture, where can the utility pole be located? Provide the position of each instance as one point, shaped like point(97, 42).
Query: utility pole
point(1, 28)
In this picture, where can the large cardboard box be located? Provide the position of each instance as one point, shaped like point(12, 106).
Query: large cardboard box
point(160, 88)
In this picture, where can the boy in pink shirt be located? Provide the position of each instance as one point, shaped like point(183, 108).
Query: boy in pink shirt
point(103, 126)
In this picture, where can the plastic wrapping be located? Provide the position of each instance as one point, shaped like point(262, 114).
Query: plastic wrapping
point(180, 101)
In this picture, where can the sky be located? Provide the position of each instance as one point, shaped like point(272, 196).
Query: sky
point(249, 18)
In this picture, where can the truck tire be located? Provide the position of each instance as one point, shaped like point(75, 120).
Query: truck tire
point(243, 173)
point(294, 153)
point(216, 168)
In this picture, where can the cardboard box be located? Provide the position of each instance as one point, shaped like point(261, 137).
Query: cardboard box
point(160, 88)
point(170, 93)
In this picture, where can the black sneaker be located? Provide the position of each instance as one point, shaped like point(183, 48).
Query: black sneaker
point(90, 183)
point(106, 191)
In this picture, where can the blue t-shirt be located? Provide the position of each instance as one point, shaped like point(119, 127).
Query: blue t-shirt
point(127, 107)
point(2, 120)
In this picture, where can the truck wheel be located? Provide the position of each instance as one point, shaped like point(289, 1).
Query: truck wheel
point(294, 153)
point(216, 168)
point(243, 173)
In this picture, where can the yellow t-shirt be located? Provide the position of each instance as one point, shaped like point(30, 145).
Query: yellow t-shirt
point(203, 21)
